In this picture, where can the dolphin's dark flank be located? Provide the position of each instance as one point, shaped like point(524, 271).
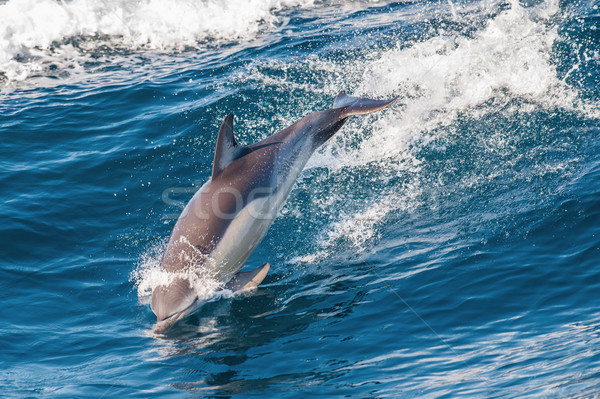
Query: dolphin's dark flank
point(228, 217)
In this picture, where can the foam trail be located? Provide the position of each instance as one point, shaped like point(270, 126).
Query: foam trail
point(440, 79)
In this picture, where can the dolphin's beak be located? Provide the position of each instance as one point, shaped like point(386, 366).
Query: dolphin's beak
point(172, 302)
point(163, 325)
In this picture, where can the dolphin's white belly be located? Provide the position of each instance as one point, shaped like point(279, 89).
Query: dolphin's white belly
point(251, 224)
point(242, 236)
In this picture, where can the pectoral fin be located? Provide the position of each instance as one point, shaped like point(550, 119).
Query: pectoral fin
point(248, 280)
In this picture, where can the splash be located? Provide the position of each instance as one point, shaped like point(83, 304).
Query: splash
point(149, 274)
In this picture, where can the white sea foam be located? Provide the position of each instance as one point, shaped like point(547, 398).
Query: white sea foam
point(445, 75)
point(33, 31)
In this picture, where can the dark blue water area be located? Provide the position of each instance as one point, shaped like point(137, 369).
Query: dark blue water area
point(446, 247)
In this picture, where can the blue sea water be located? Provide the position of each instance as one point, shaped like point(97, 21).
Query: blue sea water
point(448, 246)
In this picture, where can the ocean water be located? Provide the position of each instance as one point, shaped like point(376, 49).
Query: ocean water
point(448, 246)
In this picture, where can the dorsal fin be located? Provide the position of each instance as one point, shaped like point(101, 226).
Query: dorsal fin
point(227, 148)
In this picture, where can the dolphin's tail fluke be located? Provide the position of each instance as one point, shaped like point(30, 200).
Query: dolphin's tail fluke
point(359, 106)
point(344, 107)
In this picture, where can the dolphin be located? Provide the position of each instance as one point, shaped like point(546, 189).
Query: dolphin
point(230, 214)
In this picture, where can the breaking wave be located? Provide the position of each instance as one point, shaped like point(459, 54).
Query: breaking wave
point(37, 35)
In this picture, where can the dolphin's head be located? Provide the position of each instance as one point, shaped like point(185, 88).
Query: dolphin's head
point(172, 302)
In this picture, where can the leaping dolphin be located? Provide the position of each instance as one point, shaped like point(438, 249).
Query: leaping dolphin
point(230, 214)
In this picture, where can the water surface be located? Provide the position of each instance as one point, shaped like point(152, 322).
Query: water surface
point(448, 246)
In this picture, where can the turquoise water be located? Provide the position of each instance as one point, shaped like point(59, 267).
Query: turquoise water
point(448, 246)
